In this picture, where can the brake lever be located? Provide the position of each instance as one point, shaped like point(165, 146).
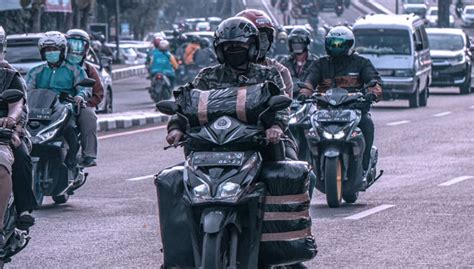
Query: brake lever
point(180, 144)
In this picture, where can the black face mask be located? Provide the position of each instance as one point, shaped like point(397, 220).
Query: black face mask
point(298, 48)
point(237, 57)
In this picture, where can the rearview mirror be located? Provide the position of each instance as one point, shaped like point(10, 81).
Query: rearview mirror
point(167, 107)
point(279, 102)
point(87, 82)
point(12, 95)
point(105, 62)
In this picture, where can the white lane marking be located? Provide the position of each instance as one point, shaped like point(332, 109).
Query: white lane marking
point(454, 181)
point(141, 178)
point(369, 212)
point(442, 114)
point(132, 132)
point(269, 11)
point(398, 122)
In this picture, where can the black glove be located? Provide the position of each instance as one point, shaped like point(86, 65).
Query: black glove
point(370, 97)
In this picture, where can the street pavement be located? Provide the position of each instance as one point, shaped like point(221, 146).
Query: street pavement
point(112, 221)
point(426, 217)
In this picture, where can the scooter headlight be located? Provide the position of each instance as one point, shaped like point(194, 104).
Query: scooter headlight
point(339, 135)
point(292, 120)
point(327, 135)
point(201, 191)
point(228, 189)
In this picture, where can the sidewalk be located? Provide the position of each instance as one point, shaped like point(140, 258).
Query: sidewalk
point(108, 122)
point(125, 71)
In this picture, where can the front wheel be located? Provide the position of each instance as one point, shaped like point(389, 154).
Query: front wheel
point(466, 87)
point(333, 181)
point(39, 171)
point(214, 251)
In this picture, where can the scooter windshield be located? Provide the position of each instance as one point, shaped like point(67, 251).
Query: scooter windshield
point(41, 98)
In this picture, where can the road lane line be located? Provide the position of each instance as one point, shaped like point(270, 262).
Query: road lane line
point(398, 123)
point(369, 212)
point(132, 132)
point(442, 114)
point(141, 178)
point(454, 181)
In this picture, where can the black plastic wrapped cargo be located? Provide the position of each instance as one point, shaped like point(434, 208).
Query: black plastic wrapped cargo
point(175, 230)
point(286, 236)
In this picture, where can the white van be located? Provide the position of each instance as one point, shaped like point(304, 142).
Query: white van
point(398, 47)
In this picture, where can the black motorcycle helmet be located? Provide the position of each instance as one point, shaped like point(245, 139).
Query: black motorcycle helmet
point(236, 30)
point(299, 40)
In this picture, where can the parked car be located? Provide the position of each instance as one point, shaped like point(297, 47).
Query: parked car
point(128, 54)
point(432, 17)
point(467, 16)
point(451, 55)
point(398, 47)
point(23, 54)
point(417, 9)
point(203, 26)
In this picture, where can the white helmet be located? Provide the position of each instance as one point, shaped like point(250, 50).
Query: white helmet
point(340, 42)
point(164, 45)
point(53, 39)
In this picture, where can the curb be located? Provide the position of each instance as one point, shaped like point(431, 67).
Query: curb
point(128, 120)
point(128, 72)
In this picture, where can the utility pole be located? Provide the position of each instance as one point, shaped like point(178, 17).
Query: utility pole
point(396, 7)
point(443, 13)
point(117, 27)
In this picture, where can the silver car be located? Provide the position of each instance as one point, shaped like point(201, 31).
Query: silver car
point(467, 16)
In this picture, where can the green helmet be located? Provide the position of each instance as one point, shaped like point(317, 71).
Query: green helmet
point(339, 42)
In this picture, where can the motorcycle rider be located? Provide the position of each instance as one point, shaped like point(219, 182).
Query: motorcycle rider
point(204, 56)
point(78, 47)
point(343, 67)
point(160, 60)
point(25, 201)
point(237, 46)
point(12, 115)
point(60, 76)
point(266, 30)
point(300, 59)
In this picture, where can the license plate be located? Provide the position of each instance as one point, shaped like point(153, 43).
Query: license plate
point(324, 116)
point(40, 114)
point(217, 158)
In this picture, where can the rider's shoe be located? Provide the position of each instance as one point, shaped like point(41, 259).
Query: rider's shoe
point(89, 162)
point(25, 221)
point(299, 265)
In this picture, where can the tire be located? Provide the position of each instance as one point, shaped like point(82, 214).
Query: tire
point(333, 181)
point(424, 97)
point(156, 94)
point(350, 198)
point(466, 87)
point(414, 100)
point(214, 251)
point(61, 199)
point(37, 174)
point(109, 107)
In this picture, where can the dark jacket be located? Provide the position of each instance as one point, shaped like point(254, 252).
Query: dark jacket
point(350, 73)
point(290, 63)
point(97, 89)
point(221, 77)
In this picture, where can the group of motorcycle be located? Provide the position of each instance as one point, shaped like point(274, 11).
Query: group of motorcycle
point(50, 116)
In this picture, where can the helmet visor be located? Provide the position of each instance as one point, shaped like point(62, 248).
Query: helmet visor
point(337, 46)
point(76, 46)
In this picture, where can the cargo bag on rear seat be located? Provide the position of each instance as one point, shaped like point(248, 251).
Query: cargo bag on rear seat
point(286, 235)
point(174, 226)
